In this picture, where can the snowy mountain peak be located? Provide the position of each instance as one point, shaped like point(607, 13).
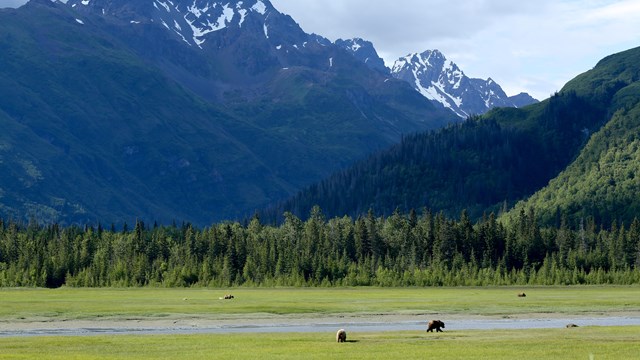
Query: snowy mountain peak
point(190, 20)
point(442, 81)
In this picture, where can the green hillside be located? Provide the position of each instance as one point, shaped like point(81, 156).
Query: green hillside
point(603, 182)
point(491, 162)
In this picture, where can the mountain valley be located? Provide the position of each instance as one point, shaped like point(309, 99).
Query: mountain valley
point(202, 111)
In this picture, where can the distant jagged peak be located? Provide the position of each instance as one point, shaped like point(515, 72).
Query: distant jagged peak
point(190, 20)
point(214, 13)
point(323, 41)
point(433, 54)
point(429, 59)
point(442, 81)
point(354, 44)
point(260, 6)
point(522, 99)
point(364, 51)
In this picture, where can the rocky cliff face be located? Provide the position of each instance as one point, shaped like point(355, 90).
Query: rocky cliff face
point(364, 51)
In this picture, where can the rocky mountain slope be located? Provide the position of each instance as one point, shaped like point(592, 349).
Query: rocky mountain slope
point(114, 110)
point(364, 51)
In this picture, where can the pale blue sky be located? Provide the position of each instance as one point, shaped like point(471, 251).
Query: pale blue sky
point(529, 45)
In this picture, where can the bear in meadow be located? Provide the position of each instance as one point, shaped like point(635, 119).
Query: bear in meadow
point(341, 336)
point(435, 324)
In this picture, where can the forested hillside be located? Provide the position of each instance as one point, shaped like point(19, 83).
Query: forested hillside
point(489, 163)
point(400, 250)
point(602, 183)
point(484, 164)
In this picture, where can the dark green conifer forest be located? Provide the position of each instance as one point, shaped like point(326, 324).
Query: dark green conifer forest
point(404, 249)
point(575, 153)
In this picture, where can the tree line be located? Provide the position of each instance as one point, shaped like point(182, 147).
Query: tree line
point(403, 249)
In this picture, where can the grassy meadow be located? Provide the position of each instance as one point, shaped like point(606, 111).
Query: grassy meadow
point(24, 305)
point(578, 343)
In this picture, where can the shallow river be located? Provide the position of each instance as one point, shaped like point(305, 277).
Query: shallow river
point(330, 327)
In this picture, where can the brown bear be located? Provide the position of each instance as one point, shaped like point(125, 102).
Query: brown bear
point(435, 324)
point(341, 336)
point(522, 294)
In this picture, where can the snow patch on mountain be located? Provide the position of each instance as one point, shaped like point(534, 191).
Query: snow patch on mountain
point(200, 27)
point(164, 5)
point(442, 81)
point(190, 20)
point(259, 7)
point(243, 15)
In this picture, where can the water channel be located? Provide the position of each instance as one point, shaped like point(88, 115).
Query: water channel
point(352, 327)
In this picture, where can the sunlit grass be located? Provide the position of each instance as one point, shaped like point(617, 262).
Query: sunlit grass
point(577, 343)
point(71, 303)
point(24, 305)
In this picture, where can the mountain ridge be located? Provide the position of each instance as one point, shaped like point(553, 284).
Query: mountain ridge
point(134, 123)
point(364, 51)
point(438, 79)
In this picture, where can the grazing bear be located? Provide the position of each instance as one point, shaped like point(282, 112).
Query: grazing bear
point(572, 325)
point(341, 336)
point(227, 297)
point(522, 294)
point(435, 324)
